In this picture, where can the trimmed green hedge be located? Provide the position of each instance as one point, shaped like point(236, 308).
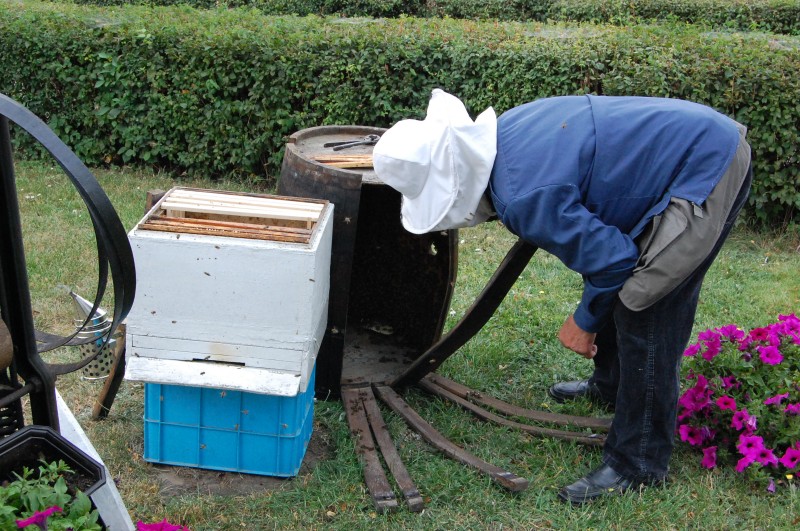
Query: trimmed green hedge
point(217, 93)
point(779, 16)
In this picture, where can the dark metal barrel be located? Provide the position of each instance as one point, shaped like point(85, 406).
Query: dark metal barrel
point(390, 289)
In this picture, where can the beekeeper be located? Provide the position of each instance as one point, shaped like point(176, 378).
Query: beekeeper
point(636, 194)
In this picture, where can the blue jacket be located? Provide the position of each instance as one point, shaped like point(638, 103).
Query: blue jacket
point(581, 176)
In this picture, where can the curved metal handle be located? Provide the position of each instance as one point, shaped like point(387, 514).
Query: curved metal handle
point(113, 249)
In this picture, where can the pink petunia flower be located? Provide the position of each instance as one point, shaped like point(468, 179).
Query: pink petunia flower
point(770, 355)
point(713, 348)
point(732, 332)
point(744, 462)
point(729, 382)
point(160, 526)
point(39, 518)
point(791, 458)
point(750, 444)
point(726, 402)
point(792, 409)
point(709, 335)
point(765, 456)
point(777, 399)
point(692, 350)
point(709, 457)
point(740, 419)
point(690, 434)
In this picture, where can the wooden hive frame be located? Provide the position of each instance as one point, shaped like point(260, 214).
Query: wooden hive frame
point(235, 215)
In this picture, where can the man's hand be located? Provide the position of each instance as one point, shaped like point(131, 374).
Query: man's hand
point(576, 339)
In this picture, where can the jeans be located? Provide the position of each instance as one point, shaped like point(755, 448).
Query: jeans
point(637, 368)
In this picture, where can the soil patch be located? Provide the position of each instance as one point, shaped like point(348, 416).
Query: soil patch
point(178, 480)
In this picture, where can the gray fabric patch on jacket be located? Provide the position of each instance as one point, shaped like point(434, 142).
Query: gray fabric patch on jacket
point(679, 240)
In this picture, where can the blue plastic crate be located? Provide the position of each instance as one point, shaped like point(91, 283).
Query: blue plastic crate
point(227, 430)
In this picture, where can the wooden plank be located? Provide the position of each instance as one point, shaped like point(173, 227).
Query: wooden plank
point(382, 494)
point(183, 227)
point(390, 454)
point(231, 224)
point(289, 208)
point(234, 210)
point(234, 198)
point(347, 164)
point(591, 439)
point(115, 376)
point(465, 392)
point(502, 477)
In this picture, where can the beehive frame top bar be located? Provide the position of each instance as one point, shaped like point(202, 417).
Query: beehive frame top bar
point(236, 215)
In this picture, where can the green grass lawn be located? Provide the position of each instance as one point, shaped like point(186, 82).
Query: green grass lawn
point(516, 357)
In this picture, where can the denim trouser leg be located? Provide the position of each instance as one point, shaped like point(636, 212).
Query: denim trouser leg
point(606, 363)
point(649, 348)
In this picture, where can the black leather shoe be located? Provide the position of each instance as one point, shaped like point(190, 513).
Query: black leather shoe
point(564, 391)
point(603, 481)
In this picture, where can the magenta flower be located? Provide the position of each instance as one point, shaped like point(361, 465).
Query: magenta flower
point(726, 402)
point(777, 399)
point(791, 458)
point(160, 526)
point(770, 355)
point(732, 332)
point(692, 350)
point(709, 457)
point(713, 348)
point(765, 456)
point(740, 419)
point(38, 518)
point(750, 444)
point(744, 462)
point(690, 434)
point(720, 388)
point(792, 409)
point(791, 320)
point(759, 334)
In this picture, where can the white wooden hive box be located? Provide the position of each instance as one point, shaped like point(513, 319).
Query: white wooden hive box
point(231, 282)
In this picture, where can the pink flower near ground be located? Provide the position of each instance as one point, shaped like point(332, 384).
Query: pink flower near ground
point(726, 402)
point(709, 457)
point(732, 332)
point(160, 526)
point(766, 457)
point(729, 381)
point(791, 458)
point(690, 434)
point(777, 399)
point(792, 409)
point(770, 355)
point(713, 348)
point(692, 350)
point(740, 419)
point(744, 462)
point(750, 444)
point(38, 518)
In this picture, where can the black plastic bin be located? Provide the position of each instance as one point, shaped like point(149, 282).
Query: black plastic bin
point(33, 444)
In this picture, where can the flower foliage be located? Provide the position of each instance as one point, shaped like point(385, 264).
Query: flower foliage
point(741, 403)
point(42, 500)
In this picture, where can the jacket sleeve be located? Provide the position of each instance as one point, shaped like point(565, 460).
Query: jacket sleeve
point(554, 219)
